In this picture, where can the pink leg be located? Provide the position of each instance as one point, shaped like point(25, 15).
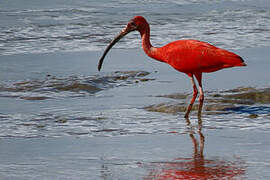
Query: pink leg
point(195, 92)
point(201, 97)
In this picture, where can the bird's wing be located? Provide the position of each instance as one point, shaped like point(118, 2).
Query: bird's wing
point(196, 56)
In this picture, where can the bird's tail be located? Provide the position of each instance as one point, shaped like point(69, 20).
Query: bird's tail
point(241, 63)
point(231, 59)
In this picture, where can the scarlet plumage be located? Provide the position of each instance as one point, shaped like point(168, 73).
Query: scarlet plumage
point(192, 57)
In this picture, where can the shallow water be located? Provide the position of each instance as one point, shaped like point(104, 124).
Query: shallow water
point(41, 99)
point(60, 117)
point(63, 119)
point(225, 154)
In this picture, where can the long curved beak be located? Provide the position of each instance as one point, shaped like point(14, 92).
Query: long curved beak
point(122, 33)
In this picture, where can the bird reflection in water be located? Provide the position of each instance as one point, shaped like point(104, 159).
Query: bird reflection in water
point(197, 167)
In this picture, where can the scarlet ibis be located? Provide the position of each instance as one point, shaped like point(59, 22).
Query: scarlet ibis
point(192, 57)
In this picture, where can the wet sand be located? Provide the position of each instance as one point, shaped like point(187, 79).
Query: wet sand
point(79, 132)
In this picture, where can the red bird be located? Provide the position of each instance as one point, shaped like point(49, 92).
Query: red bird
point(192, 57)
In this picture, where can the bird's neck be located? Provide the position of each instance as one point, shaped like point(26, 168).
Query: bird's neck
point(150, 50)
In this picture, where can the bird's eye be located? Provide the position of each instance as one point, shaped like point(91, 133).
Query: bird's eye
point(133, 23)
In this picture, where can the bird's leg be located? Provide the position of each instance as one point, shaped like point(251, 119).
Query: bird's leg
point(195, 92)
point(201, 97)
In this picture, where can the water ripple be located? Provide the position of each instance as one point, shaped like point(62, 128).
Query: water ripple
point(236, 25)
point(132, 121)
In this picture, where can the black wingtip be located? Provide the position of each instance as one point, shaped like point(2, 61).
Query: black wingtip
point(241, 59)
point(243, 62)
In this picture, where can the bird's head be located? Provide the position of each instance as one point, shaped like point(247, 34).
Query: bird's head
point(137, 23)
